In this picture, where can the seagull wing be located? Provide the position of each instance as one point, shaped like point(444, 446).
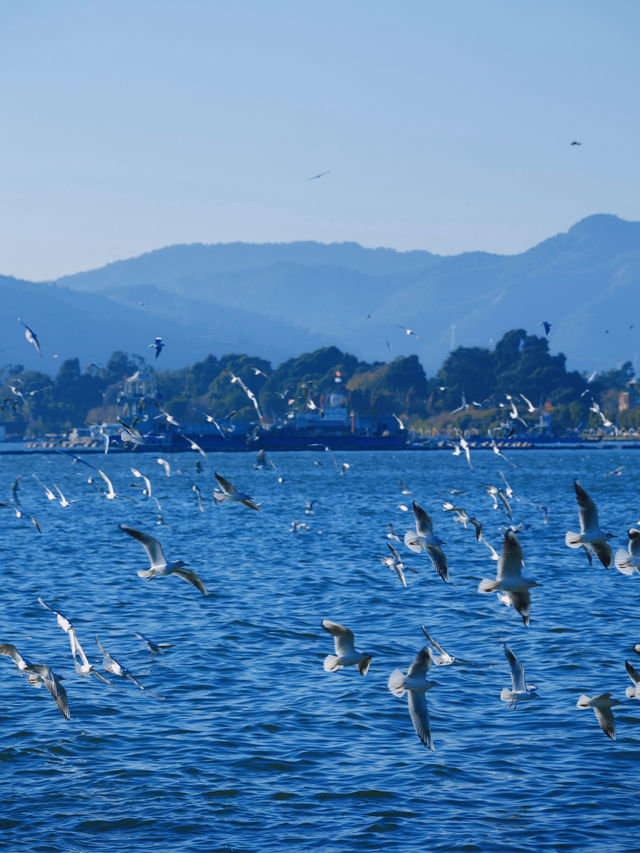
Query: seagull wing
point(510, 562)
point(192, 578)
point(435, 645)
point(420, 717)
point(439, 561)
point(605, 719)
point(14, 654)
point(343, 638)
point(227, 487)
point(586, 509)
point(421, 663)
point(54, 686)
point(424, 525)
point(634, 675)
point(518, 679)
point(150, 544)
point(603, 552)
point(521, 600)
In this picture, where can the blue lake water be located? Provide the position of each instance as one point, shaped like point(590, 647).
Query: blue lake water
point(255, 746)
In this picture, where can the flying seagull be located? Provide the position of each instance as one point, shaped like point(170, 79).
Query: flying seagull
point(424, 540)
point(629, 560)
point(158, 346)
point(31, 336)
point(591, 537)
point(602, 706)
point(39, 674)
point(230, 493)
point(415, 684)
point(319, 175)
point(110, 664)
point(346, 653)
point(160, 566)
point(84, 667)
point(509, 578)
point(546, 326)
point(520, 690)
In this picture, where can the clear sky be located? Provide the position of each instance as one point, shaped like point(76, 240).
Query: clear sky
point(133, 124)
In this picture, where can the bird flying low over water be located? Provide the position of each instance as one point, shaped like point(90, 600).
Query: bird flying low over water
point(634, 675)
point(31, 336)
point(83, 667)
point(39, 674)
point(520, 690)
point(230, 493)
point(424, 540)
point(591, 537)
point(509, 580)
point(629, 561)
point(602, 706)
point(160, 566)
point(394, 562)
point(415, 684)
point(346, 652)
point(110, 664)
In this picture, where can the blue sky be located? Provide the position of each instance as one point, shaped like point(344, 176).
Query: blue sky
point(128, 126)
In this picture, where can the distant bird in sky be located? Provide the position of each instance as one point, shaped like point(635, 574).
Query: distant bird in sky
point(31, 336)
point(346, 652)
point(575, 142)
point(407, 331)
point(546, 326)
point(158, 345)
point(319, 175)
point(160, 566)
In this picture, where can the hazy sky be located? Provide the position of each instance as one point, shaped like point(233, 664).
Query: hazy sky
point(133, 124)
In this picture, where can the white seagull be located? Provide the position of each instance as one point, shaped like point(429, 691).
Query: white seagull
point(230, 493)
point(158, 345)
point(520, 690)
point(445, 658)
point(509, 578)
point(39, 674)
point(602, 706)
point(160, 566)
point(424, 540)
point(31, 336)
point(394, 562)
point(147, 483)
point(84, 667)
point(415, 684)
point(629, 561)
point(591, 537)
point(634, 675)
point(110, 664)
point(346, 653)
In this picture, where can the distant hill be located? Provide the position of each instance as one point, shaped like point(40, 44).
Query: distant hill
point(277, 300)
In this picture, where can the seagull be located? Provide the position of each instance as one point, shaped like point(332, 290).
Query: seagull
point(463, 405)
point(602, 706)
point(530, 407)
point(392, 533)
point(160, 566)
point(415, 684)
point(63, 501)
point(319, 175)
point(147, 490)
point(346, 653)
point(164, 414)
point(84, 667)
point(591, 538)
point(193, 445)
point(424, 540)
point(520, 690)
point(154, 648)
point(399, 421)
point(110, 494)
point(445, 658)
point(230, 493)
point(495, 493)
point(129, 434)
point(509, 578)
point(31, 336)
point(165, 465)
point(394, 562)
point(575, 142)
point(47, 490)
point(39, 674)
point(546, 326)
point(403, 488)
point(627, 561)
point(110, 664)
point(634, 675)
point(407, 331)
point(308, 507)
point(157, 345)
point(246, 390)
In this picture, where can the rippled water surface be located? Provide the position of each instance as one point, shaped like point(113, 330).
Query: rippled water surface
point(254, 746)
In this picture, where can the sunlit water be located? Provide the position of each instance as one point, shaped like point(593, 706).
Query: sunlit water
point(255, 747)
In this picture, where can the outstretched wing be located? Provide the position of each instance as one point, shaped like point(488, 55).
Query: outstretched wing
point(150, 544)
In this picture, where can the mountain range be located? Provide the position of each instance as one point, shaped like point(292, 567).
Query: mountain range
point(278, 300)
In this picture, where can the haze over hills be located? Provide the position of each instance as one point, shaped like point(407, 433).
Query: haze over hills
point(278, 300)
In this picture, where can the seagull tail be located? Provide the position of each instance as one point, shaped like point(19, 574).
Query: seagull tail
point(487, 585)
point(506, 695)
point(145, 573)
point(396, 683)
point(331, 663)
point(583, 702)
point(412, 542)
point(572, 539)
